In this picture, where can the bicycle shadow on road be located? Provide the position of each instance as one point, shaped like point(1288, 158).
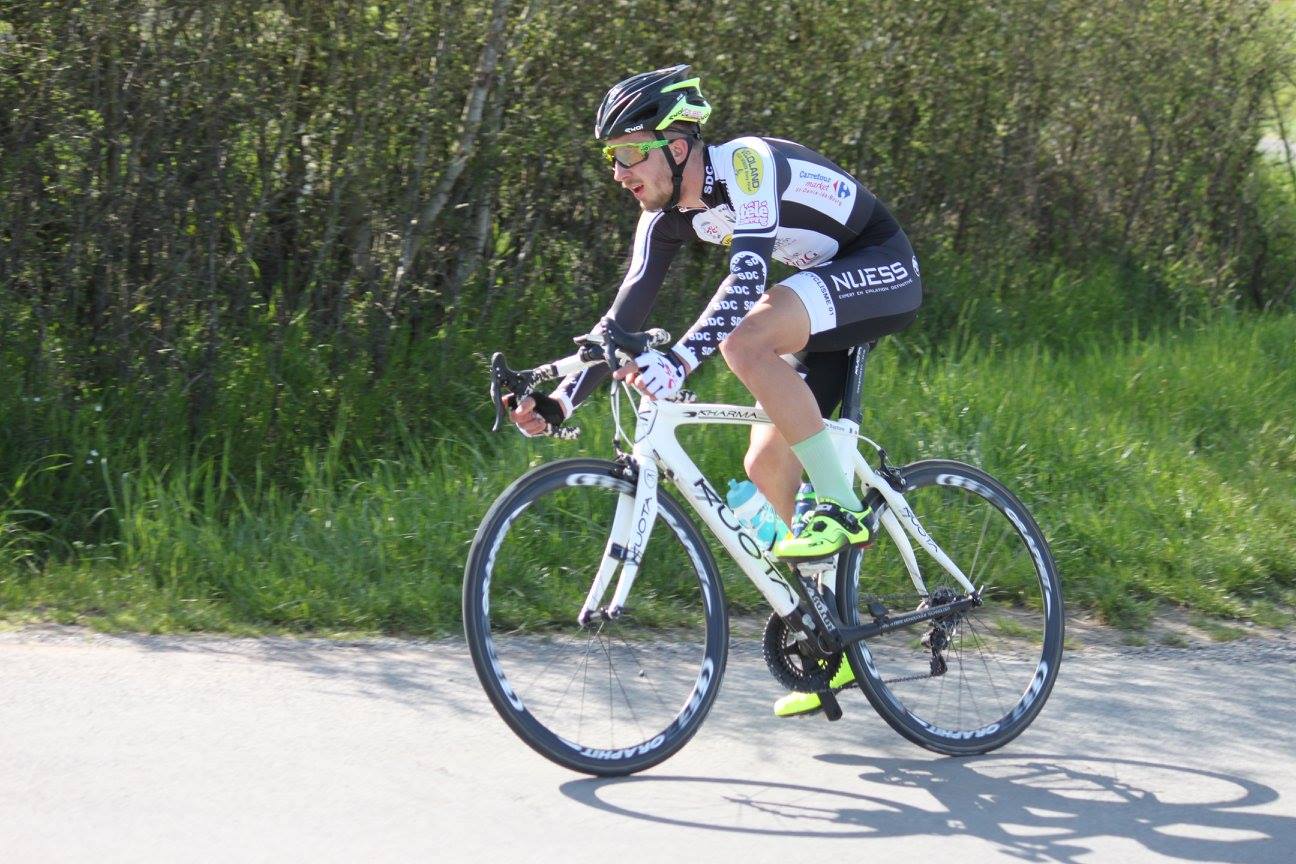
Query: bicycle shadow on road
point(1032, 807)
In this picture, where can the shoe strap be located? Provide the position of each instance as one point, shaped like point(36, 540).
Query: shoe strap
point(839, 514)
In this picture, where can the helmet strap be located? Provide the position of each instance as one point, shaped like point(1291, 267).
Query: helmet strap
point(677, 168)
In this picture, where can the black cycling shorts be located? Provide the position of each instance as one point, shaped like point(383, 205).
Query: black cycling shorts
point(854, 298)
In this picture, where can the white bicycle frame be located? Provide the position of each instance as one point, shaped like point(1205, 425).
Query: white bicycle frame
point(656, 451)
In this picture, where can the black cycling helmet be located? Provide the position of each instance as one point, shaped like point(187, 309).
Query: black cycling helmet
point(651, 101)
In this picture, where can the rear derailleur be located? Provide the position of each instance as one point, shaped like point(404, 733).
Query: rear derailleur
point(940, 631)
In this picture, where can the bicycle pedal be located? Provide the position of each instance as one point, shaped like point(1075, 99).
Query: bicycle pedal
point(816, 567)
point(831, 707)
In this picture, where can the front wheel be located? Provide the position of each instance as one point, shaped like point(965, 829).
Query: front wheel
point(971, 681)
point(614, 696)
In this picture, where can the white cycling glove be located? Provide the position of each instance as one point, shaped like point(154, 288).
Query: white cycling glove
point(661, 374)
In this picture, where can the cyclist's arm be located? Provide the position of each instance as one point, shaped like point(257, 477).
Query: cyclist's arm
point(748, 269)
point(657, 239)
point(753, 190)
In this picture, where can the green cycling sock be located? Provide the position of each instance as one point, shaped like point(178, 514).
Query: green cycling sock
point(819, 457)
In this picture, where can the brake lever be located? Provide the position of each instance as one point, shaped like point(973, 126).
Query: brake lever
point(497, 397)
point(498, 400)
point(503, 378)
point(609, 347)
point(519, 385)
point(619, 344)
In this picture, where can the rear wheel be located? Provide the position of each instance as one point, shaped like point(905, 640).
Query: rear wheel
point(971, 681)
point(613, 696)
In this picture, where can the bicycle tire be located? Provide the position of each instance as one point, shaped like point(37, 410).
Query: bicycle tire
point(521, 597)
point(997, 691)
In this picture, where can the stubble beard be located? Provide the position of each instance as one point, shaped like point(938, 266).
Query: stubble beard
point(656, 204)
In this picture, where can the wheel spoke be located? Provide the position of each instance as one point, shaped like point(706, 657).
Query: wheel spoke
point(643, 673)
point(612, 673)
point(985, 677)
point(587, 697)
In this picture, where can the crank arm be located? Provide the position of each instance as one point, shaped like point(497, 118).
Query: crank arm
point(827, 626)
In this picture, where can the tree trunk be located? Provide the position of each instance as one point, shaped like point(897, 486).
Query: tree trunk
point(470, 124)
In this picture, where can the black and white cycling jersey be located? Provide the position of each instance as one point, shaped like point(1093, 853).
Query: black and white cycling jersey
point(770, 199)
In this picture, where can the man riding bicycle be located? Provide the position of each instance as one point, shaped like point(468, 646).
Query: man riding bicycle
point(762, 198)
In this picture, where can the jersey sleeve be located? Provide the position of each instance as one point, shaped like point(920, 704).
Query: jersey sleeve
point(656, 241)
point(752, 182)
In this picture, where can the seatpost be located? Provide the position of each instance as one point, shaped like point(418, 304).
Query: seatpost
point(852, 405)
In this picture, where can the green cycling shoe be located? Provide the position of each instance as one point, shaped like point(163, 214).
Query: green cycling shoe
point(796, 704)
point(829, 528)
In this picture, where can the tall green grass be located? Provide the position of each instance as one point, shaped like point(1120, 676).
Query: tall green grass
point(1161, 466)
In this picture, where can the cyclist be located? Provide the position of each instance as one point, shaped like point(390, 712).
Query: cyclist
point(762, 198)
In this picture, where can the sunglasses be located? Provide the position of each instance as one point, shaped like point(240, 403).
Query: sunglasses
point(630, 155)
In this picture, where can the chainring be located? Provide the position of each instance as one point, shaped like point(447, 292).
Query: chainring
point(793, 663)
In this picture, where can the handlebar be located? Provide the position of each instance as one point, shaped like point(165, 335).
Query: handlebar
point(609, 342)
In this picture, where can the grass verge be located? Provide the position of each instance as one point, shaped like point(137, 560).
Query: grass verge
point(1162, 468)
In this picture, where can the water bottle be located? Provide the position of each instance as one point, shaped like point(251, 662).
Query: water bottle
point(755, 513)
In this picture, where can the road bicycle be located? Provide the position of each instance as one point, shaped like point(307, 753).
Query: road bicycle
point(957, 655)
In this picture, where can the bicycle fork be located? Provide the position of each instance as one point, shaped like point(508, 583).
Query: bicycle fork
point(625, 546)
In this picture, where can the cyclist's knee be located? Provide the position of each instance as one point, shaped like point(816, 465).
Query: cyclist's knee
point(746, 347)
point(776, 325)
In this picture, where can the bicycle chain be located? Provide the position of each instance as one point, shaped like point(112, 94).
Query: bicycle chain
point(940, 597)
point(938, 668)
point(780, 646)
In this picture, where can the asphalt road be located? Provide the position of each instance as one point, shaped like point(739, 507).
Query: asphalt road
point(212, 749)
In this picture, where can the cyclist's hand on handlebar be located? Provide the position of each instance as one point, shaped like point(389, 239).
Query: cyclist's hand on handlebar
point(525, 417)
point(656, 375)
point(536, 414)
point(629, 373)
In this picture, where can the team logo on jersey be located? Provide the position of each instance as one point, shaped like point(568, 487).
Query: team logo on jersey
point(754, 214)
point(748, 268)
point(716, 234)
point(715, 225)
point(820, 188)
point(870, 278)
point(747, 169)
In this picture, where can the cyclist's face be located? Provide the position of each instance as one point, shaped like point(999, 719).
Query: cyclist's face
point(649, 180)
